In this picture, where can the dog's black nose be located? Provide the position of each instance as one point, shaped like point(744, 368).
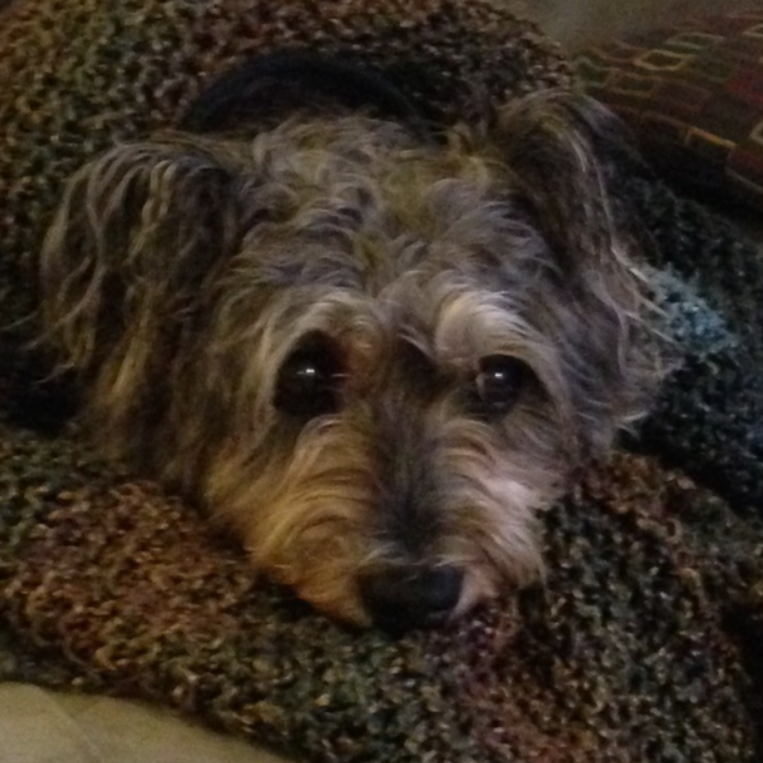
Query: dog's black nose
point(399, 599)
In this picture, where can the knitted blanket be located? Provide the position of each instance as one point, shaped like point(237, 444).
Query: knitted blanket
point(644, 640)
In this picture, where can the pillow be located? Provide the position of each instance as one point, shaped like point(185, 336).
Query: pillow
point(693, 93)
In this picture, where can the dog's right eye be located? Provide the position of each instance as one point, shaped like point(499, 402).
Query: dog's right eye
point(499, 383)
point(308, 380)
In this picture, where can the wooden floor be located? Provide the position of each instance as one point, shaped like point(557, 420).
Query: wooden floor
point(39, 726)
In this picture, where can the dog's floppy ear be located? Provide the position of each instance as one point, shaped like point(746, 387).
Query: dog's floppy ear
point(136, 232)
point(565, 153)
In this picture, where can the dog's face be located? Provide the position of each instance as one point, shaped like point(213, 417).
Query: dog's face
point(375, 358)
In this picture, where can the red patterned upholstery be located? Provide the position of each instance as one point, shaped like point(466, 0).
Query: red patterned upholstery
point(694, 94)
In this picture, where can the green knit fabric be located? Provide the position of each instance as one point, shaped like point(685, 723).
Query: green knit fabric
point(644, 641)
point(640, 645)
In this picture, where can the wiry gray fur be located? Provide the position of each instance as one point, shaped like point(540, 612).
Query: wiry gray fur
point(180, 275)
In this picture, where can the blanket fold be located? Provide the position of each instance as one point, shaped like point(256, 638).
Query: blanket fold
point(642, 639)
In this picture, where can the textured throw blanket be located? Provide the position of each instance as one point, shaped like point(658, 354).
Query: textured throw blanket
point(645, 640)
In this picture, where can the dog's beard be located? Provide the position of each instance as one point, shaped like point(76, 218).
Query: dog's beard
point(330, 509)
point(481, 330)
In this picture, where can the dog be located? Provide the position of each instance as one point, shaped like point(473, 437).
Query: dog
point(374, 350)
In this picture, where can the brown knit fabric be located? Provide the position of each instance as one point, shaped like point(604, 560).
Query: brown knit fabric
point(643, 643)
point(624, 654)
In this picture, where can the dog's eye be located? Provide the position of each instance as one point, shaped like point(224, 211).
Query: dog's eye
point(307, 382)
point(499, 382)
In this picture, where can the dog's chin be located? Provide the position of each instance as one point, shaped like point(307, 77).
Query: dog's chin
point(326, 563)
point(339, 599)
point(333, 596)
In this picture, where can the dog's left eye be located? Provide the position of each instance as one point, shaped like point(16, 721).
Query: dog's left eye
point(499, 382)
point(307, 382)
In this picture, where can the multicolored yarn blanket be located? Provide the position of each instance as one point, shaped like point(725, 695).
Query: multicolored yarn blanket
point(692, 92)
point(645, 640)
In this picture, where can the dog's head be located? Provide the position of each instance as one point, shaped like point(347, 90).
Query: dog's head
point(375, 357)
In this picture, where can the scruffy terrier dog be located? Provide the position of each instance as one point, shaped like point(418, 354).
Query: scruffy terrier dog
point(375, 354)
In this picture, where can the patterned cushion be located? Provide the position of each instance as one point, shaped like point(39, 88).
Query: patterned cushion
point(694, 94)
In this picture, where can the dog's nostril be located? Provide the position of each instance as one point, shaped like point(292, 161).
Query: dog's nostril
point(411, 597)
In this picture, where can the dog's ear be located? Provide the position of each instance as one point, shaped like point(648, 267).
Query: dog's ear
point(567, 152)
point(565, 155)
point(137, 231)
